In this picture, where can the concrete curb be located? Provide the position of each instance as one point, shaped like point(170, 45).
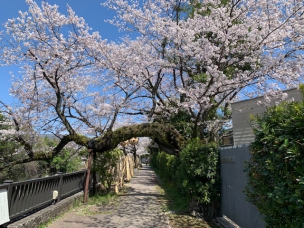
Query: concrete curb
point(227, 223)
point(47, 214)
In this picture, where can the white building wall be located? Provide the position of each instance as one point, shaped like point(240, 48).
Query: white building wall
point(241, 111)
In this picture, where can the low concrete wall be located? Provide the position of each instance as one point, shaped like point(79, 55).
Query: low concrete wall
point(47, 214)
point(234, 181)
point(124, 171)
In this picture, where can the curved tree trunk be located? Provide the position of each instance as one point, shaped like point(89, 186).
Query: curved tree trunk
point(167, 137)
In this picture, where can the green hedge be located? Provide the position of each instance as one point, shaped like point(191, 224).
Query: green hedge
point(276, 171)
point(195, 174)
point(199, 171)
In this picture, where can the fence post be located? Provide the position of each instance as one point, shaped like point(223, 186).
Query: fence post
point(60, 186)
point(9, 193)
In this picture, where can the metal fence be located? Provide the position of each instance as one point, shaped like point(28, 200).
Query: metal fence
point(26, 196)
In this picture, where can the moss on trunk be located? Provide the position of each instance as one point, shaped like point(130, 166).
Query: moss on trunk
point(167, 137)
point(163, 134)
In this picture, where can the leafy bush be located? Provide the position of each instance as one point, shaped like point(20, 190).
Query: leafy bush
point(166, 165)
point(105, 166)
point(195, 174)
point(199, 171)
point(276, 170)
point(65, 162)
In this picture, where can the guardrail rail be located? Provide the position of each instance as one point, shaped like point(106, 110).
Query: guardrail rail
point(30, 195)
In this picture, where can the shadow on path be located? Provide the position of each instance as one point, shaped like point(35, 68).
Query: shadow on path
point(139, 208)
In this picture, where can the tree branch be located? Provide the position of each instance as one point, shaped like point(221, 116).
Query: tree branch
point(166, 136)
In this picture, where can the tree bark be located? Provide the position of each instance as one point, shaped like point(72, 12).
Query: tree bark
point(87, 181)
point(168, 138)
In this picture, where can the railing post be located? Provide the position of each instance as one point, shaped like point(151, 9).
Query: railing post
point(60, 186)
point(9, 193)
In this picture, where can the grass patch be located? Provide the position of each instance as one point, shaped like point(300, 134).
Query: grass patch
point(102, 199)
point(173, 201)
point(76, 203)
point(50, 221)
point(187, 221)
point(84, 209)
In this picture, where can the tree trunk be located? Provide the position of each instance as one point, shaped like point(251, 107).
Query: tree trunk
point(168, 138)
point(86, 187)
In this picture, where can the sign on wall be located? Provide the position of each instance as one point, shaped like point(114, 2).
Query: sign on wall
point(4, 214)
point(230, 159)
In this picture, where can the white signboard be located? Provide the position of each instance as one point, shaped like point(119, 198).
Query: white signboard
point(4, 215)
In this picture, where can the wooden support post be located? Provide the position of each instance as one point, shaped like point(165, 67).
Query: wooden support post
point(94, 174)
point(86, 187)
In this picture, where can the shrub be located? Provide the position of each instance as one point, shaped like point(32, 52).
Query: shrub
point(199, 173)
point(276, 170)
point(65, 162)
point(195, 174)
point(166, 166)
point(105, 166)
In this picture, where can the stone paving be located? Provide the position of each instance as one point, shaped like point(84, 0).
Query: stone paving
point(140, 207)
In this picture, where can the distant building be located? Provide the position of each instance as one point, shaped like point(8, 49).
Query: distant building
point(241, 111)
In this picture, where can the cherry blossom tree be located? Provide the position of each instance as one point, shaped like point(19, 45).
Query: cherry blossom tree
point(216, 52)
point(194, 57)
point(67, 87)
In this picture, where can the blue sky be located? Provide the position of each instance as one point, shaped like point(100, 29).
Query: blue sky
point(91, 10)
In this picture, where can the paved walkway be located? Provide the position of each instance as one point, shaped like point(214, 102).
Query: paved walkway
point(138, 208)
